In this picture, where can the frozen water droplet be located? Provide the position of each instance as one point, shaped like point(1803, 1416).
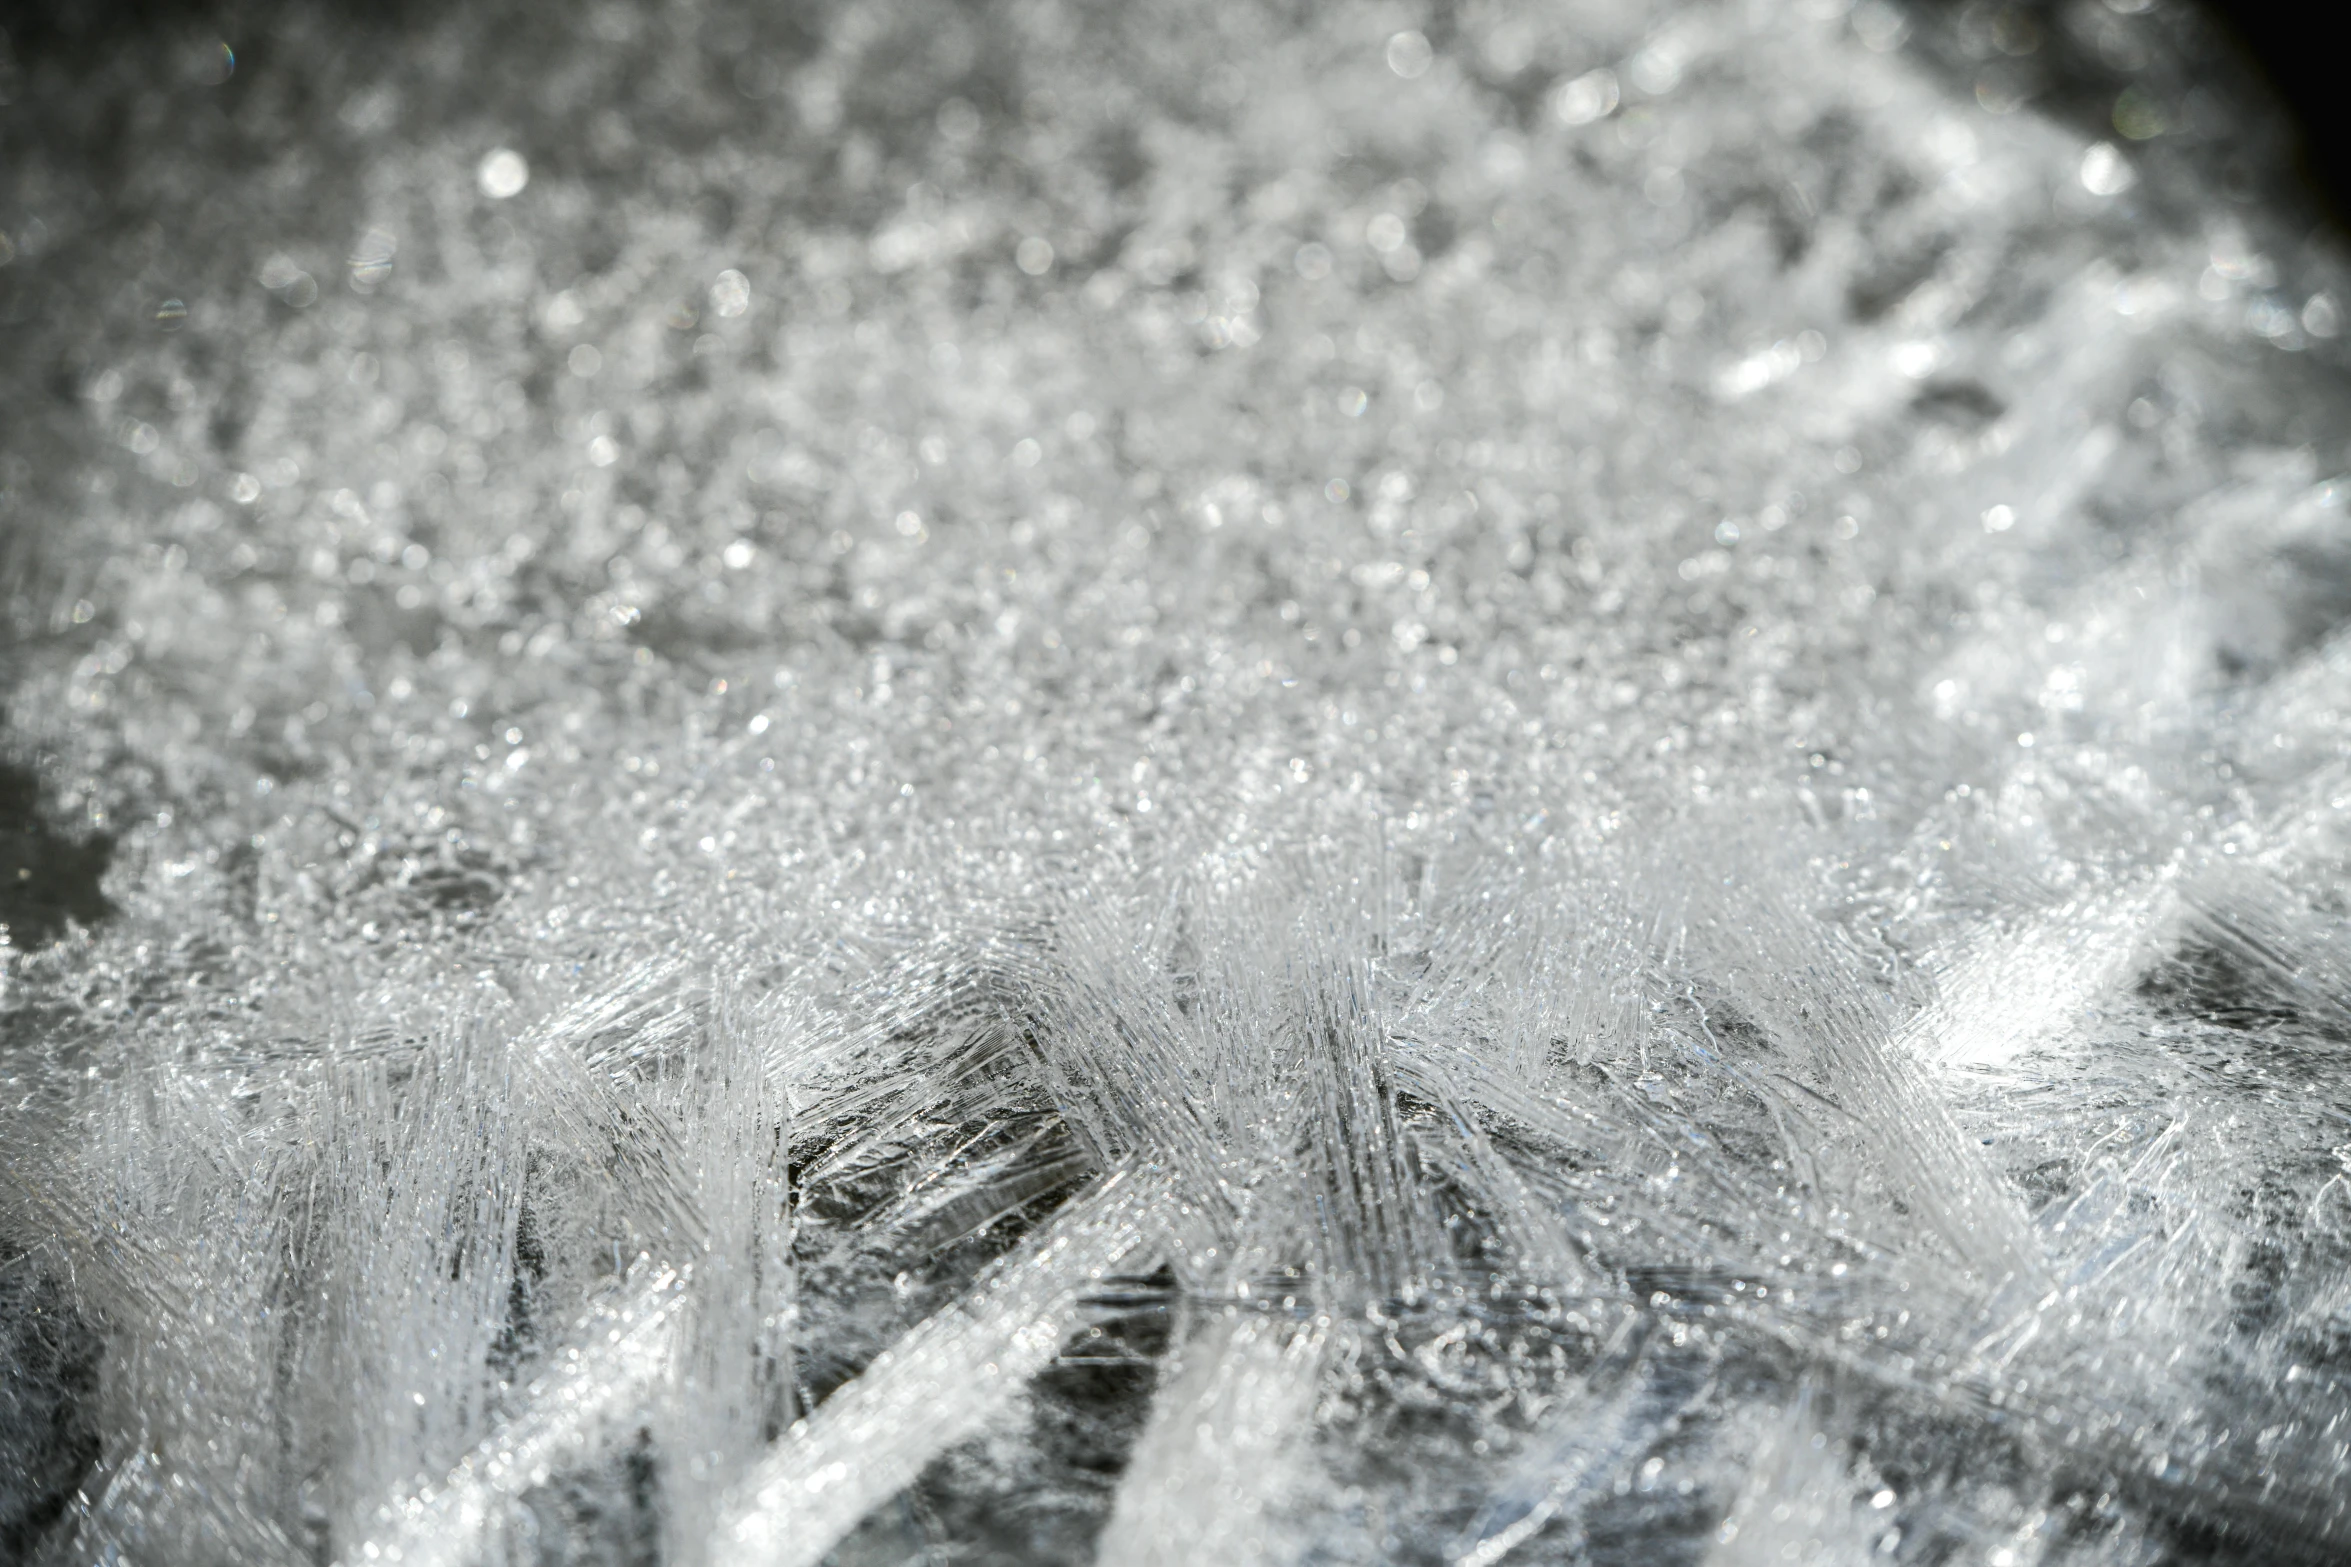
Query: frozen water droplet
point(1591, 96)
point(1409, 55)
point(730, 295)
point(2105, 172)
point(502, 173)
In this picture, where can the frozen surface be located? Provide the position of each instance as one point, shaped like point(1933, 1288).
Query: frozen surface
point(1254, 784)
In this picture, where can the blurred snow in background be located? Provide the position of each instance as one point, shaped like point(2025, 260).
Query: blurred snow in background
point(1164, 784)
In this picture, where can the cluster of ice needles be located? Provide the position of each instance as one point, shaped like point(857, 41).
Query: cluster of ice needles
point(1169, 784)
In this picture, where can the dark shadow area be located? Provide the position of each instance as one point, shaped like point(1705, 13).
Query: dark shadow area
point(46, 877)
point(2245, 89)
point(91, 29)
point(2283, 45)
point(47, 1439)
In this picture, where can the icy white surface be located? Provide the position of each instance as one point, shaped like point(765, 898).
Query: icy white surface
point(1143, 784)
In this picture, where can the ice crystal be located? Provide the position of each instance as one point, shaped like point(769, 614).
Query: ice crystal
point(1160, 784)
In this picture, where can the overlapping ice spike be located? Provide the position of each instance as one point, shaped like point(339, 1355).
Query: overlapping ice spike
point(944, 1382)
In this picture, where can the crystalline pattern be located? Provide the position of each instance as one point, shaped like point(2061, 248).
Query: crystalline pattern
point(1051, 783)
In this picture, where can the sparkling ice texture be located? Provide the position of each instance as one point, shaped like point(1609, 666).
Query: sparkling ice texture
point(1170, 783)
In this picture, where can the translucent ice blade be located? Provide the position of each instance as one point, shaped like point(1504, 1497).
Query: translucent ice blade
point(943, 1382)
point(1534, 1229)
point(2012, 987)
point(601, 1381)
point(1578, 1450)
point(1799, 1503)
point(1208, 1478)
point(1804, 988)
point(147, 1510)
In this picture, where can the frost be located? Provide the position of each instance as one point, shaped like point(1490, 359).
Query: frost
point(1171, 784)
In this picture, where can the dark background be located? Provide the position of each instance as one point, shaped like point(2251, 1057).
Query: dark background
point(2290, 51)
point(2247, 48)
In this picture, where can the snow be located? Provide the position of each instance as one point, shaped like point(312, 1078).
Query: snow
point(1159, 784)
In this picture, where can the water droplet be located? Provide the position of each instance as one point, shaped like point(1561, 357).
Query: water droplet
point(730, 295)
point(1409, 55)
point(371, 259)
point(2139, 116)
point(283, 277)
point(958, 121)
point(2105, 172)
point(210, 64)
point(1591, 96)
point(503, 173)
